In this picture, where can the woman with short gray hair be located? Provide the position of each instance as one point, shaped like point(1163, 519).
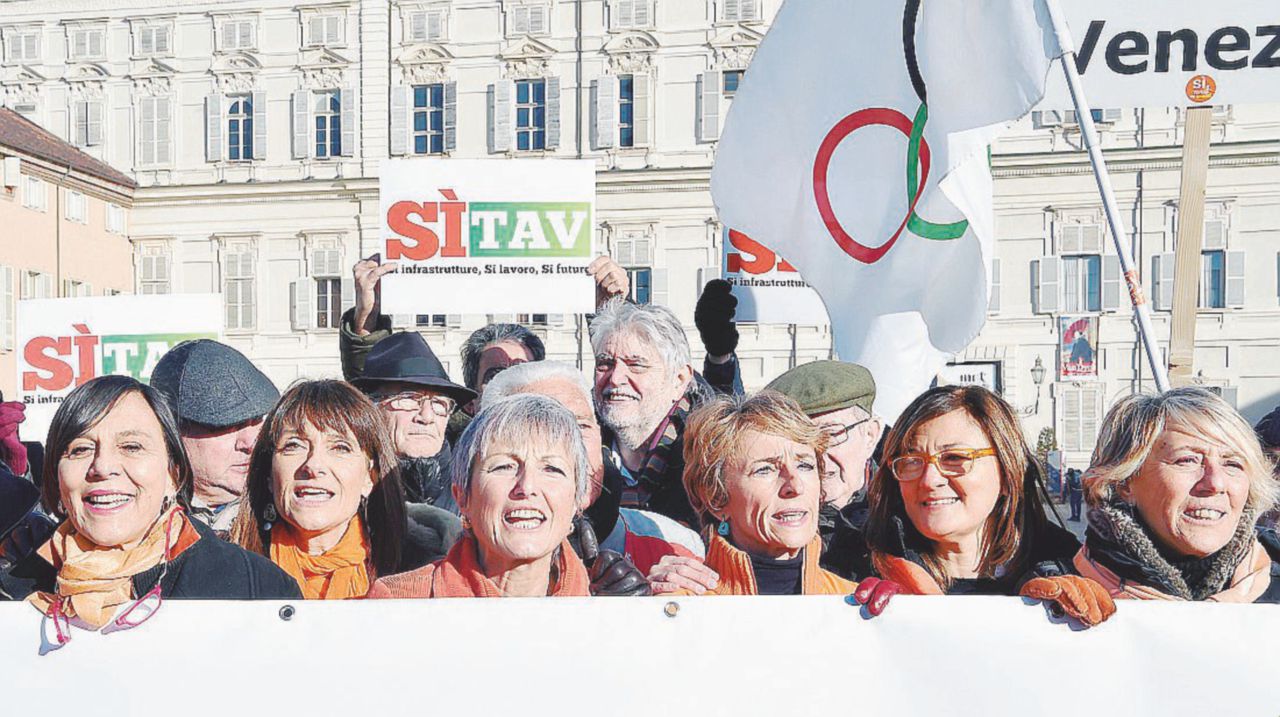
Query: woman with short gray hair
point(520, 475)
point(1175, 488)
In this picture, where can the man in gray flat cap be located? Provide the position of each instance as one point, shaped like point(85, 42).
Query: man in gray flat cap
point(220, 399)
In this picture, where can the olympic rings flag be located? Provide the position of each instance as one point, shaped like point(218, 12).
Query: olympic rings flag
point(856, 146)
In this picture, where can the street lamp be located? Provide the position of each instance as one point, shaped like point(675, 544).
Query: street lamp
point(1037, 375)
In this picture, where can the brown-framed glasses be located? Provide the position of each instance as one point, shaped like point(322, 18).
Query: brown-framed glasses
point(951, 462)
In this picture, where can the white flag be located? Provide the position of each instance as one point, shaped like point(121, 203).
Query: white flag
point(857, 148)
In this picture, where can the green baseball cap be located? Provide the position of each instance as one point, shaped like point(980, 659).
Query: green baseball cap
point(825, 386)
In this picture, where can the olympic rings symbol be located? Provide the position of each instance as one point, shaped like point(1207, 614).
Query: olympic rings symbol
point(918, 165)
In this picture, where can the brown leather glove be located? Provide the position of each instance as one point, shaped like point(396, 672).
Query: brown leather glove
point(1081, 598)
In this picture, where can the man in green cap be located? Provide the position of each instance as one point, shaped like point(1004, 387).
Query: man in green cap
point(838, 396)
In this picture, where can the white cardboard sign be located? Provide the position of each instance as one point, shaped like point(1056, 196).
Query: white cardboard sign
point(1172, 53)
point(769, 290)
point(488, 236)
point(62, 343)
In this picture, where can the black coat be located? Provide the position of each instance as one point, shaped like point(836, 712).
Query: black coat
point(431, 533)
point(210, 569)
point(844, 546)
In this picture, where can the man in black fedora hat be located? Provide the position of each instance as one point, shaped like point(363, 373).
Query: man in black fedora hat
point(403, 376)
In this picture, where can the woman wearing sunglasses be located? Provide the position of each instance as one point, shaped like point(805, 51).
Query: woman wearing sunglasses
point(324, 497)
point(956, 508)
point(117, 472)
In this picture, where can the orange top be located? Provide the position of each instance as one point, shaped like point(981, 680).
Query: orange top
point(459, 575)
point(738, 578)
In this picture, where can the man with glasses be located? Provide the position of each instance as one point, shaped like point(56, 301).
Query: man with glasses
point(403, 376)
point(838, 396)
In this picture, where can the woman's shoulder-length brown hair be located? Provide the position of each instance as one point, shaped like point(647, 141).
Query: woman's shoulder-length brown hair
point(329, 405)
point(1018, 515)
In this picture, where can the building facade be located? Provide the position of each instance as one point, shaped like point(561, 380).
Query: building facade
point(255, 131)
point(64, 218)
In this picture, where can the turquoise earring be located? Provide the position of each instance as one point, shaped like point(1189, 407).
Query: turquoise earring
point(723, 530)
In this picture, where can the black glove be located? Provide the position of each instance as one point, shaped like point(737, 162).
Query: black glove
point(714, 318)
point(611, 573)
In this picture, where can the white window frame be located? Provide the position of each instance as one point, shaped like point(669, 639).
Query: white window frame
point(116, 219)
point(8, 307)
point(76, 288)
point(1081, 280)
point(37, 285)
point(152, 34)
point(332, 27)
point(630, 14)
point(155, 131)
point(88, 119)
point(239, 265)
point(239, 38)
point(35, 193)
point(17, 42)
point(330, 114)
point(739, 10)
point(153, 263)
point(77, 207)
point(532, 19)
point(420, 22)
point(78, 34)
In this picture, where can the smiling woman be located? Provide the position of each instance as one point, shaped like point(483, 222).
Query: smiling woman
point(1175, 488)
point(118, 474)
point(520, 475)
point(324, 496)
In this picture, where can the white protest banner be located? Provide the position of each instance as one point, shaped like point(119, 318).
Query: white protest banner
point(987, 656)
point(1176, 53)
point(62, 343)
point(488, 236)
point(769, 290)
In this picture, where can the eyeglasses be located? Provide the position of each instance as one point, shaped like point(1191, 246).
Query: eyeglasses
point(440, 405)
point(839, 434)
point(142, 609)
point(952, 462)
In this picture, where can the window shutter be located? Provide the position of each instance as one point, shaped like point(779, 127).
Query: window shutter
point(1043, 119)
point(1091, 238)
point(1162, 281)
point(993, 299)
point(146, 41)
point(79, 121)
point(1231, 394)
point(418, 26)
point(1113, 114)
point(315, 32)
point(519, 20)
point(642, 107)
point(553, 112)
point(537, 20)
point(450, 116)
point(453, 321)
point(348, 293)
point(302, 311)
point(1070, 243)
point(1071, 419)
point(164, 130)
point(640, 13)
point(95, 124)
point(213, 128)
point(435, 25)
point(605, 101)
point(709, 106)
point(8, 307)
point(1215, 234)
point(658, 291)
point(259, 125)
point(146, 148)
point(46, 286)
point(348, 102)
point(1046, 273)
point(500, 117)
point(399, 120)
point(1235, 279)
point(732, 9)
point(301, 124)
point(1111, 281)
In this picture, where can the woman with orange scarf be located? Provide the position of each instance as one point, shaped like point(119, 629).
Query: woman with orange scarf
point(117, 472)
point(324, 498)
point(520, 475)
point(752, 470)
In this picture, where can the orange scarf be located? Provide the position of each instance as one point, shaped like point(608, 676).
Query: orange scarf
point(94, 581)
point(340, 573)
point(459, 575)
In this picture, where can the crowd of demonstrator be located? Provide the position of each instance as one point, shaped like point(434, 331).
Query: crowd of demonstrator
point(531, 479)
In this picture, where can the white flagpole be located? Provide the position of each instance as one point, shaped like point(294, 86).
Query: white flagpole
point(1141, 309)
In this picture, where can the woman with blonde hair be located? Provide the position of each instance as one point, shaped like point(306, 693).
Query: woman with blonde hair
point(1175, 488)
